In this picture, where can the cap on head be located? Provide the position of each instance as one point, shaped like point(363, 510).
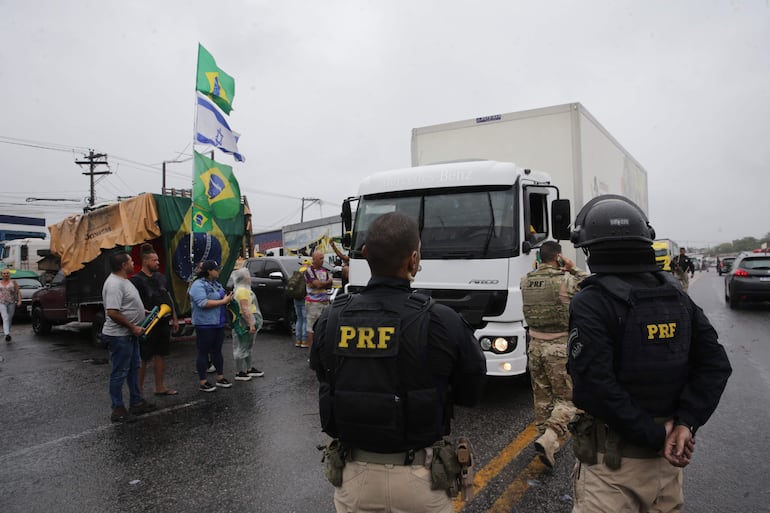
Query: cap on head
point(209, 265)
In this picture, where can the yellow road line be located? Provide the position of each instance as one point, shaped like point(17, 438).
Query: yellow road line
point(518, 487)
point(491, 469)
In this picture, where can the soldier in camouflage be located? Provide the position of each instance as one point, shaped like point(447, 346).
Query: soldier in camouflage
point(546, 293)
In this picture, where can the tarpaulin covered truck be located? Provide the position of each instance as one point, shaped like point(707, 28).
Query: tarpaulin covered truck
point(83, 243)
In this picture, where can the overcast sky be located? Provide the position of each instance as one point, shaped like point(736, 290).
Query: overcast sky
point(327, 92)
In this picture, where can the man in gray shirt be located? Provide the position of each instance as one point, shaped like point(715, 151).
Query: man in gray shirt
point(122, 327)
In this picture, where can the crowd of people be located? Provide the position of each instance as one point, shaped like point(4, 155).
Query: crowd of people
point(622, 361)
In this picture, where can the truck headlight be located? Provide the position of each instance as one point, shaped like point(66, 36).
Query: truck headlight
point(498, 345)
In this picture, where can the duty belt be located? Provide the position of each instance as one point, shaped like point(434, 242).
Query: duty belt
point(627, 449)
point(416, 457)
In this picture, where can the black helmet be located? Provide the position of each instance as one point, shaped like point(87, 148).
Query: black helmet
point(611, 219)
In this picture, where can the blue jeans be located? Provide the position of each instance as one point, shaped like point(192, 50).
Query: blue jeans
point(209, 341)
point(124, 355)
point(301, 327)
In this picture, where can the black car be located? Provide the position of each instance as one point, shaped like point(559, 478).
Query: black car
point(269, 278)
point(724, 265)
point(748, 280)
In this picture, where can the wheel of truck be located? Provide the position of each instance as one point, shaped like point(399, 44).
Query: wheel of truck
point(40, 325)
point(96, 330)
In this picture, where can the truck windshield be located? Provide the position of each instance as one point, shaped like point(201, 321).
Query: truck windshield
point(457, 223)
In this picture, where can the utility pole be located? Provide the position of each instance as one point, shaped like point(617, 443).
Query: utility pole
point(93, 160)
point(310, 201)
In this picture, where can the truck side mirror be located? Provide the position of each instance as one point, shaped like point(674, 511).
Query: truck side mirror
point(560, 219)
point(526, 247)
point(345, 240)
point(347, 216)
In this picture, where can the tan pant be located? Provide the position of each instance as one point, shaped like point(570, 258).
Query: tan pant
point(551, 385)
point(683, 278)
point(313, 311)
point(639, 486)
point(375, 488)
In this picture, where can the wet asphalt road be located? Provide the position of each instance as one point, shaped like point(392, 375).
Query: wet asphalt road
point(252, 447)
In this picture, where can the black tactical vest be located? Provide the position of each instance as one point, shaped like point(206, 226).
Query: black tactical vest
point(651, 359)
point(379, 396)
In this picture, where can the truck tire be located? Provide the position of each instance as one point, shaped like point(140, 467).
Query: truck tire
point(96, 331)
point(40, 325)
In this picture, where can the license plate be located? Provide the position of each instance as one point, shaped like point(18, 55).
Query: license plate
point(765, 278)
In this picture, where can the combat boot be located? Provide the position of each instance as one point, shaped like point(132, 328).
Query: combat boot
point(548, 445)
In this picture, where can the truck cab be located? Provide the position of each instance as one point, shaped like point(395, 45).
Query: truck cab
point(479, 222)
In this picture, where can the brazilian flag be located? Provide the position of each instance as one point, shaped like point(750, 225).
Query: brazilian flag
point(213, 82)
point(216, 194)
point(221, 243)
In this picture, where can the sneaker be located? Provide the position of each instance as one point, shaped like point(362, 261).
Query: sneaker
point(254, 372)
point(242, 376)
point(7, 338)
point(224, 383)
point(211, 369)
point(208, 387)
point(142, 408)
point(121, 415)
point(298, 343)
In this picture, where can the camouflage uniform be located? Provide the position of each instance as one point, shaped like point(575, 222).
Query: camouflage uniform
point(546, 293)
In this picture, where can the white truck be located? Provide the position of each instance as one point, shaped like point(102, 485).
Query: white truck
point(565, 141)
point(478, 221)
point(22, 254)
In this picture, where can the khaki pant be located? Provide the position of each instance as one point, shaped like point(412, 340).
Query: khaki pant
point(639, 486)
point(551, 385)
point(684, 279)
point(375, 488)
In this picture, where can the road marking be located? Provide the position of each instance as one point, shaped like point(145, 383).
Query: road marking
point(77, 436)
point(491, 469)
point(518, 487)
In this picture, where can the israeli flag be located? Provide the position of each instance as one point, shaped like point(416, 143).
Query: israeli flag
point(211, 128)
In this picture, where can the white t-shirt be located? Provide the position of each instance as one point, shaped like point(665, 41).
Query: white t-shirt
point(120, 294)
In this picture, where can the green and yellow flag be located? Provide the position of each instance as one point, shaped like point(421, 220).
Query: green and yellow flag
point(213, 82)
point(216, 194)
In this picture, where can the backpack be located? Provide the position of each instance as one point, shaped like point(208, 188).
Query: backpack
point(295, 289)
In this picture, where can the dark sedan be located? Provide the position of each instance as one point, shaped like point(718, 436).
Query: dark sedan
point(724, 265)
point(749, 280)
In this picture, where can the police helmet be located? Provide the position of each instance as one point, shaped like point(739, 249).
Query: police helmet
point(611, 218)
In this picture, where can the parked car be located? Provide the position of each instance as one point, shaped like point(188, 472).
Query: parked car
point(724, 265)
point(269, 278)
point(748, 280)
point(28, 282)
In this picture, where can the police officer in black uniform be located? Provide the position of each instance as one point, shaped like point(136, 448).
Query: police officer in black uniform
point(391, 363)
point(646, 366)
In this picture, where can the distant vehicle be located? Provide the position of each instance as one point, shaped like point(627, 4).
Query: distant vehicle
point(269, 278)
point(665, 250)
point(749, 280)
point(28, 282)
point(724, 265)
point(22, 254)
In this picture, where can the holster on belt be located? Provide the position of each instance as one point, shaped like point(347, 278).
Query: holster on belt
point(445, 468)
point(334, 455)
point(591, 436)
point(584, 443)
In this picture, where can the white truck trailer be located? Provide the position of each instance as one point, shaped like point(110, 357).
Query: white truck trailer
point(565, 141)
point(479, 222)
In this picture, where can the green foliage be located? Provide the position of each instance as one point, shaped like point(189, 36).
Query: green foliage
point(738, 245)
